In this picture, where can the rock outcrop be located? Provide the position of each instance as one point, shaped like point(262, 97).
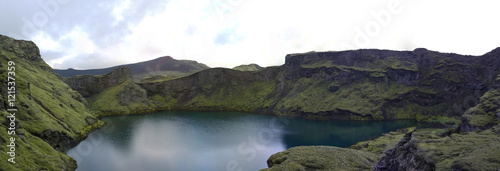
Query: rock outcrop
point(436, 149)
point(404, 156)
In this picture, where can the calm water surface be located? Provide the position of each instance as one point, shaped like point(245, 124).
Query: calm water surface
point(211, 140)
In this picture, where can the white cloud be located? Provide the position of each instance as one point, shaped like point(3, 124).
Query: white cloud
point(80, 44)
point(45, 42)
point(120, 9)
point(231, 32)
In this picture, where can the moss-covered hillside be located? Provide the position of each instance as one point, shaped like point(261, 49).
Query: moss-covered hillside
point(359, 84)
point(50, 116)
point(216, 90)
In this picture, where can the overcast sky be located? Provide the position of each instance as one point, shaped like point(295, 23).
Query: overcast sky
point(225, 33)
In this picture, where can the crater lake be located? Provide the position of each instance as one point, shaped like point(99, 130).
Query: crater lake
point(212, 140)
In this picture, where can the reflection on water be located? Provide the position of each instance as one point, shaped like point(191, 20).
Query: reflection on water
point(211, 140)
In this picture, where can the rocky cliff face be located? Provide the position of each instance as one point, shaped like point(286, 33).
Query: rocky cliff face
point(50, 116)
point(381, 84)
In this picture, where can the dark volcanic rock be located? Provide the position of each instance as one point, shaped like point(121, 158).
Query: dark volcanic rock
point(404, 156)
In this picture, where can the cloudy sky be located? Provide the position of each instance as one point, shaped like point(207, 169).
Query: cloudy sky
point(226, 33)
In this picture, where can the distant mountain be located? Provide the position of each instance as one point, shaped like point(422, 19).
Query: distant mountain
point(249, 67)
point(160, 66)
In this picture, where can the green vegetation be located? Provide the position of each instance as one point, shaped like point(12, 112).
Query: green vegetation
point(125, 98)
point(398, 63)
point(32, 153)
point(469, 151)
point(372, 65)
point(445, 120)
point(332, 64)
point(321, 158)
point(160, 76)
point(245, 98)
point(485, 113)
point(50, 114)
point(362, 97)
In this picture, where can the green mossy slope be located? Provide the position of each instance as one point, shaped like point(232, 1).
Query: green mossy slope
point(124, 98)
point(320, 158)
point(211, 90)
point(51, 117)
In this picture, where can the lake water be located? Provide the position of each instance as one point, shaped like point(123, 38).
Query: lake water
point(211, 140)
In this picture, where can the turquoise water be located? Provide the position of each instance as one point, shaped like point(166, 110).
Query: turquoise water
point(211, 140)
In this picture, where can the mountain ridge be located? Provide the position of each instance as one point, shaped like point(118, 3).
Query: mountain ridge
point(151, 67)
